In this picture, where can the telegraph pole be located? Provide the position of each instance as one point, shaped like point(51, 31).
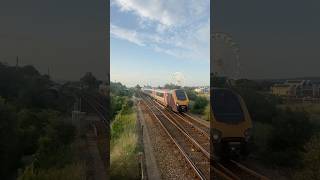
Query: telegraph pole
point(17, 61)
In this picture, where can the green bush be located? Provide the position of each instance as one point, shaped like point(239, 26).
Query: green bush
point(54, 150)
point(206, 113)
point(291, 129)
point(199, 105)
point(262, 133)
point(311, 160)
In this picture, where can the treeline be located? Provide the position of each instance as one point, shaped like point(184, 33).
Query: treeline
point(120, 97)
point(34, 135)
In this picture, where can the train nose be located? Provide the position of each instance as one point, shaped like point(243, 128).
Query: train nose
point(183, 108)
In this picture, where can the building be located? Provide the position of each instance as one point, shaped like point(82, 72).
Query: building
point(297, 88)
point(202, 90)
point(282, 90)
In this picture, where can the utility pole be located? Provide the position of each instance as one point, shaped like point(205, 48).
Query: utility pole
point(17, 61)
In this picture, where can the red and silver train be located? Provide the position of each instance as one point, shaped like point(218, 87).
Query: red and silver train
point(176, 100)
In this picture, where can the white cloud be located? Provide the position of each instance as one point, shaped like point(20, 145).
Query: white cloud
point(179, 28)
point(125, 34)
point(155, 10)
point(166, 12)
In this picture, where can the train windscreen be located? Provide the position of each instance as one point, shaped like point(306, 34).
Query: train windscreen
point(181, 95)
point(226, 106)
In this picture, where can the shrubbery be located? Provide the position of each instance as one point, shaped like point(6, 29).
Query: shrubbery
point(9, 137)
point(199, 105)
point(124, 143)
point(33, 132)
point(311, 160)
point(279, 134)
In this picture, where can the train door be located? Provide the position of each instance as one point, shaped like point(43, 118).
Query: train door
point(165, 98)
point(171, 103)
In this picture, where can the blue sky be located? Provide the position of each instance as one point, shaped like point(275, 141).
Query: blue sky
point(153, 39)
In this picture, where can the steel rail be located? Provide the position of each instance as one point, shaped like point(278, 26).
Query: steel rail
point(185, 155)
point(231, 170)
point(204, 151)
point(204, 132)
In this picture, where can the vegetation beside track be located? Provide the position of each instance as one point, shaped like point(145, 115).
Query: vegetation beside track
point(37, 136)
point(124, 138)
point(282, 133)
point(199, 104)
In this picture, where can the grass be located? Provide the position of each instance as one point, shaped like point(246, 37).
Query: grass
point(75, 171)
point(206, 113)
point(261, 135)
point(124, 147)
point(312, 109)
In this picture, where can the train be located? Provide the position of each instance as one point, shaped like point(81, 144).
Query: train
point(231, 124)
point(176, 99)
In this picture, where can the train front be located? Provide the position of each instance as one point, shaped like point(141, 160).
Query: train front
point(181, 100)
point(230, 124)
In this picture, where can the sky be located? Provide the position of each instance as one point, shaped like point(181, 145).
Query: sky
point(277, 39)
point(151, 41)
point(68, 37)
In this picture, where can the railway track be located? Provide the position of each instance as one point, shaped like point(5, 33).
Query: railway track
point(195, 122)
point(192, 139)
point(200, 137)
point(97, 106)
point(197, 160)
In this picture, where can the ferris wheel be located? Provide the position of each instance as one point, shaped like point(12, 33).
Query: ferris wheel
point(178, 78)
point(226, 52)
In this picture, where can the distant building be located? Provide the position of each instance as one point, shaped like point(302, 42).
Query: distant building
point(203, 90)
point(296, 88)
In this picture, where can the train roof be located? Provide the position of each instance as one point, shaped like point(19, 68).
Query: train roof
point(161, 90)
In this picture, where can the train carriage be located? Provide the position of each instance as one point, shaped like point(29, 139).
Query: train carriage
point(176, 100)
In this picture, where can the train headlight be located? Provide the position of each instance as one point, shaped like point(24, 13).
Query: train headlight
point(247, 134)
point(216, 135)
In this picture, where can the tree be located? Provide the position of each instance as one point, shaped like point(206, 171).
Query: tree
point(9, 146)
point(171, 86)
point(138, 87)
point(89, 81)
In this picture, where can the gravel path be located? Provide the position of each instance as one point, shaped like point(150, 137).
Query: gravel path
point(97, 169)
